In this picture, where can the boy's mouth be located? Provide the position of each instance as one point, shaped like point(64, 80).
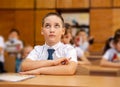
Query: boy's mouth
point(51, 35)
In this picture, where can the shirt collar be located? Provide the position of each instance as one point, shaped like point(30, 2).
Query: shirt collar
point(54, 46)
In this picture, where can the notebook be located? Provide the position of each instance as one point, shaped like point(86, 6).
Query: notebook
point(14, 77)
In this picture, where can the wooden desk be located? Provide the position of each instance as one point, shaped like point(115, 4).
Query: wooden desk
point(65, 81)
point(10, 63)
point(94, 59)
point(97, 70)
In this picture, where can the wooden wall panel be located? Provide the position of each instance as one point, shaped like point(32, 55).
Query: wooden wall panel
point(101, 3)
point(13, 4)
point(7, 3)
point(116, 3)
point(45, 4)
point(24, 22)
point(6, 22)
point(24, 4)
point(72, 4)
point(39, 39)
point(116, 19)
point(101, 24)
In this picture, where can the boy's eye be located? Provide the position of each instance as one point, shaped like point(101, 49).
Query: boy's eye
point(57, 26)
point(47, 26)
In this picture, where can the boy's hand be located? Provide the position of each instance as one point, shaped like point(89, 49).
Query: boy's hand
point(62, 61)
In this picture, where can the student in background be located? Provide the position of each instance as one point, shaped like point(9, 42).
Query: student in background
point(80, 53)
point(53, 57)
point(108, 44)
point(2, 54)
point(25, 51)
point(67, 37)
point(83, 40)
point(13, 45)
point(111, 58)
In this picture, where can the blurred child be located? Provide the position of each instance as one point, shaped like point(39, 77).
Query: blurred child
point(111, 58)
point(25, 51)
point(14, 45)
point(83, 40)
point(108, 44)
point(66, 38)
point(80, 53)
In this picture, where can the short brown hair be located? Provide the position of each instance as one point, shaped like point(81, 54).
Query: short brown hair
point(53, 14)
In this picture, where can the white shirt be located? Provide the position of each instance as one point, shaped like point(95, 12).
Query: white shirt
point(13, 47)
point(84, 46)
point(79, 52)
point(112, 55)
point(2, 45)
point(61, 50)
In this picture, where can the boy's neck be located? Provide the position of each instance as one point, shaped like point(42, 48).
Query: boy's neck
point(51, 44)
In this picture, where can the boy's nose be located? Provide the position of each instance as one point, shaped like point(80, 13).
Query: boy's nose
point(52, 29)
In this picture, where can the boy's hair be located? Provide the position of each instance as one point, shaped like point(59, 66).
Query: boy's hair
point(14, 30)
point(117, 36)
point(53, 14)
point(81, 30)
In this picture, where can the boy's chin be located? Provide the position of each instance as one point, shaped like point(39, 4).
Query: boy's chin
point(52, 41)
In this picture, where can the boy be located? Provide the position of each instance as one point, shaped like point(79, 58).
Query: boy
point(53, 57)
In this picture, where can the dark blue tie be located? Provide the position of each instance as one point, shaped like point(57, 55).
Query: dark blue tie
point(50, 52)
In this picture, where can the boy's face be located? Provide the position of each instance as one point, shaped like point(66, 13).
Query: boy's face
point(83, 35)
point(117, 46)
point(13, 35)
point(66, 38)
point(52, 29)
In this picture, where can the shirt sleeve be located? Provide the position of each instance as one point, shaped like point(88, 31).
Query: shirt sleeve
point(80, 53)
point(107, 55)
point(33, 55)
point(85, 46)
point(71, 53)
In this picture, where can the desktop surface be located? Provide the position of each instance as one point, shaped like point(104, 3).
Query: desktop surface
point(65, 81)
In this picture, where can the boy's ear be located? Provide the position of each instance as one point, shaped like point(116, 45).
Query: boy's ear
point(42, 32)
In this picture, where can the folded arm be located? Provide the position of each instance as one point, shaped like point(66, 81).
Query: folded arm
point(107, 63)
point(84, 60)
point(68, 69)
point(28, 64)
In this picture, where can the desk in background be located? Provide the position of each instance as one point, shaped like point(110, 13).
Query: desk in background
point(97, 70)
point(10, 63)
point(94, 59)
point(65, 81)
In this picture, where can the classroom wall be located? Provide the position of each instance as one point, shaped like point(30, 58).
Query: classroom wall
point(26, 15)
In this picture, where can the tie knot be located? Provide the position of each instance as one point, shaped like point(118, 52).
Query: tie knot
point(50, 52)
